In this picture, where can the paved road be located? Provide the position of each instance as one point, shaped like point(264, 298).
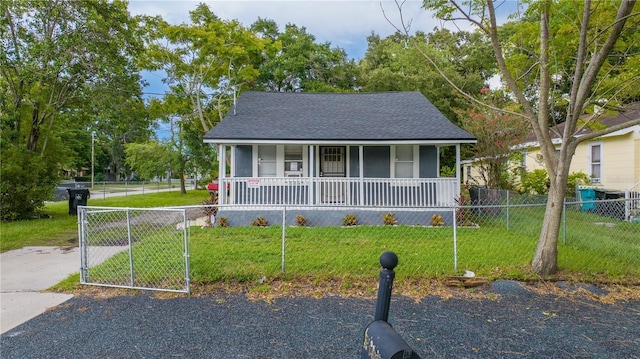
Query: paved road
point(515, 323)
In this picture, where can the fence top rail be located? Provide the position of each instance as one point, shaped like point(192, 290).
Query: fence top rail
point(120, 209)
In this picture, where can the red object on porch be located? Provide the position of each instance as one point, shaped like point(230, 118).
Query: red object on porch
point(213, 186)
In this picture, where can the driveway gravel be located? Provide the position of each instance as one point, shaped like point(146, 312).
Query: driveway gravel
point(511, 322)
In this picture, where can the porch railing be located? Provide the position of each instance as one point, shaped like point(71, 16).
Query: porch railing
point(337, 191)
point(632, 205)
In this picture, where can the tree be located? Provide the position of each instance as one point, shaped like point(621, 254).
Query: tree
point(390, 64)
point(300, 64)
point(64, 67)
point(150, 159)
point(207, 62)
point(580, 44)
point(497, 133)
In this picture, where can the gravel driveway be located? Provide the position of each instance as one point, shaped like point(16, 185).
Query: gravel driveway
point(514, 323)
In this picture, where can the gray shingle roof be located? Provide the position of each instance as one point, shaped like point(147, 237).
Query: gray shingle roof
point(383, 116)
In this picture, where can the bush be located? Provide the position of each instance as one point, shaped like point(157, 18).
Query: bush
point(535, 182)
point(437, 221)
point(223, 222)
point(260, 222)
point(28, 180)
point(576, 179)
point(349, 220)
point(388, 219)
point(301, 220)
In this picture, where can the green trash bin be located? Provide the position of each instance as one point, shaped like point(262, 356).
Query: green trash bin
point(588, 198)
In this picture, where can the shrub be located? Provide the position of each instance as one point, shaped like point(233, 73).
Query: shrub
point(349, 220)
point(301, 220)
point(436, 220)
point(210, 209)
point(260, 222)
point(535, 182)
point(223, 222)
point(28, 180)
point(463, 215)
point(388, 219)
point(576, 179)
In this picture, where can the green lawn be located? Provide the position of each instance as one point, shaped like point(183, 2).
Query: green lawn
point(502, 246)
point(62, 229)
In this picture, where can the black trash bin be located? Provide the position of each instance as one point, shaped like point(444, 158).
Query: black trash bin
point(77, 197)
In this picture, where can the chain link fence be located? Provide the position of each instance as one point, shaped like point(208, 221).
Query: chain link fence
point(494, 238)
point(134, 248)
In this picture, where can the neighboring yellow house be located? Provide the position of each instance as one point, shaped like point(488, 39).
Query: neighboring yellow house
point(612, 161)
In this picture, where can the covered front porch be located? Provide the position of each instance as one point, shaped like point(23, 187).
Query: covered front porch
point(377, 192)
point(336, 176)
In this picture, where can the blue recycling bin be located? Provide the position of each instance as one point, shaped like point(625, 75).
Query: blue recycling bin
point(588, 197)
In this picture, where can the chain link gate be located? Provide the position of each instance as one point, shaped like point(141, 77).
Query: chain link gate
point(137, 248)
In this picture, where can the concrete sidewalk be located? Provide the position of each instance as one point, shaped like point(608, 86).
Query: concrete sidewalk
point(26, 273)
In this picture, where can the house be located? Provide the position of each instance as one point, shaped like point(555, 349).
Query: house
point(335, 149)
point(612, 161)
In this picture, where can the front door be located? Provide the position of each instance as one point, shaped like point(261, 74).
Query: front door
point(332, 164)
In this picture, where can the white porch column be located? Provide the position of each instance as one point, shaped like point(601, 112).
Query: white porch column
point(361, 174)
point(458, 171)
point(312, 166)
point(222, 170)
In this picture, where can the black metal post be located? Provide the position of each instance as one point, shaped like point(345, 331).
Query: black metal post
point(388, 261)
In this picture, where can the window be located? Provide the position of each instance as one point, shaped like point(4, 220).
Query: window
point(267, 161)
point(595, 162)
point(293, 161)
point(404, 161)
point(279, 161)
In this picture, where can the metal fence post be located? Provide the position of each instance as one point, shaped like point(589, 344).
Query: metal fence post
point(507, 209)
point(284, 235)
point(455, 241)
point(82, 220)
point(564, 221)
point(130, 247)
point(187, 252)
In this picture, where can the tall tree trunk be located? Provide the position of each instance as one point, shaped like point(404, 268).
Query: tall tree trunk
point(34, 133)
point(545, 260)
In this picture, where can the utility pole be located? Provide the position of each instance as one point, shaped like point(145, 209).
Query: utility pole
point(93, 155)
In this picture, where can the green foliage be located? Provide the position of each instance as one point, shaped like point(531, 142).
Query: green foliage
point(259, 222)
point(437, 221)
point(149, 160)
point(28, 180)
point(447, 171)
point(302, 64)
point(223, 222)
point(207, 53)
point(537, 182)
point(576, 179)
point(68, 68)
point(301, 220)
point(396, 63)
point(389, 219)
point(497, 134)
point(350, 220)
point(534, 182)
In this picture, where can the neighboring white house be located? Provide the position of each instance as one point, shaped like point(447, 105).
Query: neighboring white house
point(612, 161)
